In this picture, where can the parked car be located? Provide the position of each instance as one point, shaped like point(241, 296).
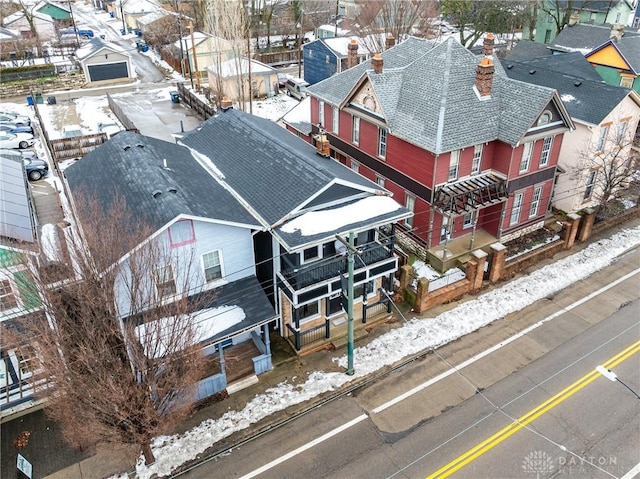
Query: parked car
point(19, 120)
point(82, 32)
point(297, 88)
point(16, 140)
point(282, 80)
point(13, 128)
point(35, 168)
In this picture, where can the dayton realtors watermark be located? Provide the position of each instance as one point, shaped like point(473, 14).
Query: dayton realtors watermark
point(542, 464)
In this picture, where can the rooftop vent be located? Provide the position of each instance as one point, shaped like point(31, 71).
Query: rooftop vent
point(577, 83)
point(172, 189)
point(509, 67)
point(140, 145)
point(156, 193)
point(126, 148)
point(531, 72)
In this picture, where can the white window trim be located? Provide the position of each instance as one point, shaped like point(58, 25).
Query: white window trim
point(204, 272)
point(313, 317)
point(321, 113)
point(525, 161)
point(173, 276)
point(382, 152)
point(355, 130)
point(602, 138)
point(516, 207)
point(335, 119)
point(535, 203)
point(409, 199)
point(545, 154)
point(315, 258)
point(476, 164)
point(355, 166)
point(454, 162)
point(473, 215)
point(14, 294)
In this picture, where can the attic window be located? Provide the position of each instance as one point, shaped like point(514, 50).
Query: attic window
point(544, 119)
point(156, 193)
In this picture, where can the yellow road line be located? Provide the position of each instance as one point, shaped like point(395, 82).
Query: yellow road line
point(530, 416)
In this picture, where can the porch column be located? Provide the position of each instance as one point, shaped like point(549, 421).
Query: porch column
point(223, 369)
point(473, 235)
point(498, 258)
point(364, 305)
point(267, 340)
point(429, 233)
point(389, 293)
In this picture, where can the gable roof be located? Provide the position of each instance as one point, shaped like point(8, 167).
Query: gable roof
point(427, 97)
point(585, 100)
point(584, 38)
point(133, 166)
point(340, 46)
point(95, 45)
point(154, 16)
point(233, 67)
point(279, 177)
point(573, 63)
point(628, 48)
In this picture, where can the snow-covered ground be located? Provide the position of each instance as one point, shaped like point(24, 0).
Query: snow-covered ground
point(414, 336)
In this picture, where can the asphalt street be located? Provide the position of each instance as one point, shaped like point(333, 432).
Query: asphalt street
point(369, 434)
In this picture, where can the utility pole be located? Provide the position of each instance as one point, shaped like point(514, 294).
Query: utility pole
point(73, 22)
point(351, 251)
point(124, 25)
point(195, 57)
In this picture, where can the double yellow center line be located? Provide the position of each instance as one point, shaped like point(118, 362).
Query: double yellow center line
point(530, 416)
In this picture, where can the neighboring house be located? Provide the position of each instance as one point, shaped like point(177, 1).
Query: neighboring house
point(330, 31)
point(303, 200)
point(472, 153)
point(45, 26)
point(615, 113)
point(614, 52)
point(588, 12)
point(18, 300)
point(209, 50)
point(230, 79)
point(325, 57)
point(135, 9)
point(153, 20)
point(104, 61)
point(207, 236)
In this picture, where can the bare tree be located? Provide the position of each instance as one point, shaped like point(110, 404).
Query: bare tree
point(163, 32)
point(607, 167)
point(27, 10)
point(560, 11)
point(119, 337)
point(400, 18)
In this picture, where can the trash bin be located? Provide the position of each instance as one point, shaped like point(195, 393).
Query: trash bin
point(51, 100)
point(138, 33)
point(39, 99)
point(112, 14)
point(144, 47)
point(29, 100)
point(122, 31)
point(175, 96)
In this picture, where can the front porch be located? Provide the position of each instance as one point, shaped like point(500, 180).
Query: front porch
point(454, 252)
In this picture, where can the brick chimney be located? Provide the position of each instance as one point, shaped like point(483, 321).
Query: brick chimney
point(617, 31)
point(352, 53)
point(226, 104)
point(487, 45)
point(574, 19)
point(322, 146)
point(389, 41)
point(376, 63)
point(484, 76)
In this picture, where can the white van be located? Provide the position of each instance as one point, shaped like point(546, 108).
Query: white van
point(296, 88)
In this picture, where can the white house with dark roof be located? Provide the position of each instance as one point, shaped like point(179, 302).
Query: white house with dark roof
point(303, 201)
point(230, 79)
point(205, 237)
point(606, 119)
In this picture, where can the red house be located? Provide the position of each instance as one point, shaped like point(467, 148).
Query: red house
point(471, 152)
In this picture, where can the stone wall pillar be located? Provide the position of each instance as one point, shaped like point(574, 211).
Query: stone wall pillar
point(586, 228)
point(571, 226)
point(480, 258)
point(406, 273)
point(422, 295)
point(498, 260)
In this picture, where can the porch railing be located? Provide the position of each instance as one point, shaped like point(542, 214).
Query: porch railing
point(308, 336)
point(323, 270)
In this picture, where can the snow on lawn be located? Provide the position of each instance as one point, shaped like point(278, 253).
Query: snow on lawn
point(415, 336)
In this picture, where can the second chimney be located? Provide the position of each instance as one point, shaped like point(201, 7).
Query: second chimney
point(389, 41)
point(484, 76)
point(376, 63)
point(226, 104)
point(352, 53)
point(487, 45)
point(617, 31)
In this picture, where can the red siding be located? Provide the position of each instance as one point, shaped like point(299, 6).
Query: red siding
point(410, 160)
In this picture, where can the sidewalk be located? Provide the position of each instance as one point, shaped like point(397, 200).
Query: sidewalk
point(53, 459)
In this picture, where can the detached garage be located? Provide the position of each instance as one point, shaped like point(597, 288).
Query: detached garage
point(104, 61)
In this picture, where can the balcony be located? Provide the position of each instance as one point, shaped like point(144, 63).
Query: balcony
point(329, 268)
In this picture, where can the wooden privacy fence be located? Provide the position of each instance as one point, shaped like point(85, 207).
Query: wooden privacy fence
point(76, 147)
point(203, 109)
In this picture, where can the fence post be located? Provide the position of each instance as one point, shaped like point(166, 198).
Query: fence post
point(498, 259)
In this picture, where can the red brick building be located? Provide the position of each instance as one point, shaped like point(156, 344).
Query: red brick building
point(471, 152)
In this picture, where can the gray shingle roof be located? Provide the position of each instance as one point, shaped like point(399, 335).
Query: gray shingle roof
point(585, 100)
point(132, 166)
point(527, 50)
point(15, 208)
point(274, 171)
point(573, 63)
point(428, 98)
point(584, 38)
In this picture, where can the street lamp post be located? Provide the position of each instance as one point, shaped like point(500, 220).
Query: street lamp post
point(611, 376)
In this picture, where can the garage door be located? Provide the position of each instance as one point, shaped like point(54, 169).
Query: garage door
point(108, 72)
